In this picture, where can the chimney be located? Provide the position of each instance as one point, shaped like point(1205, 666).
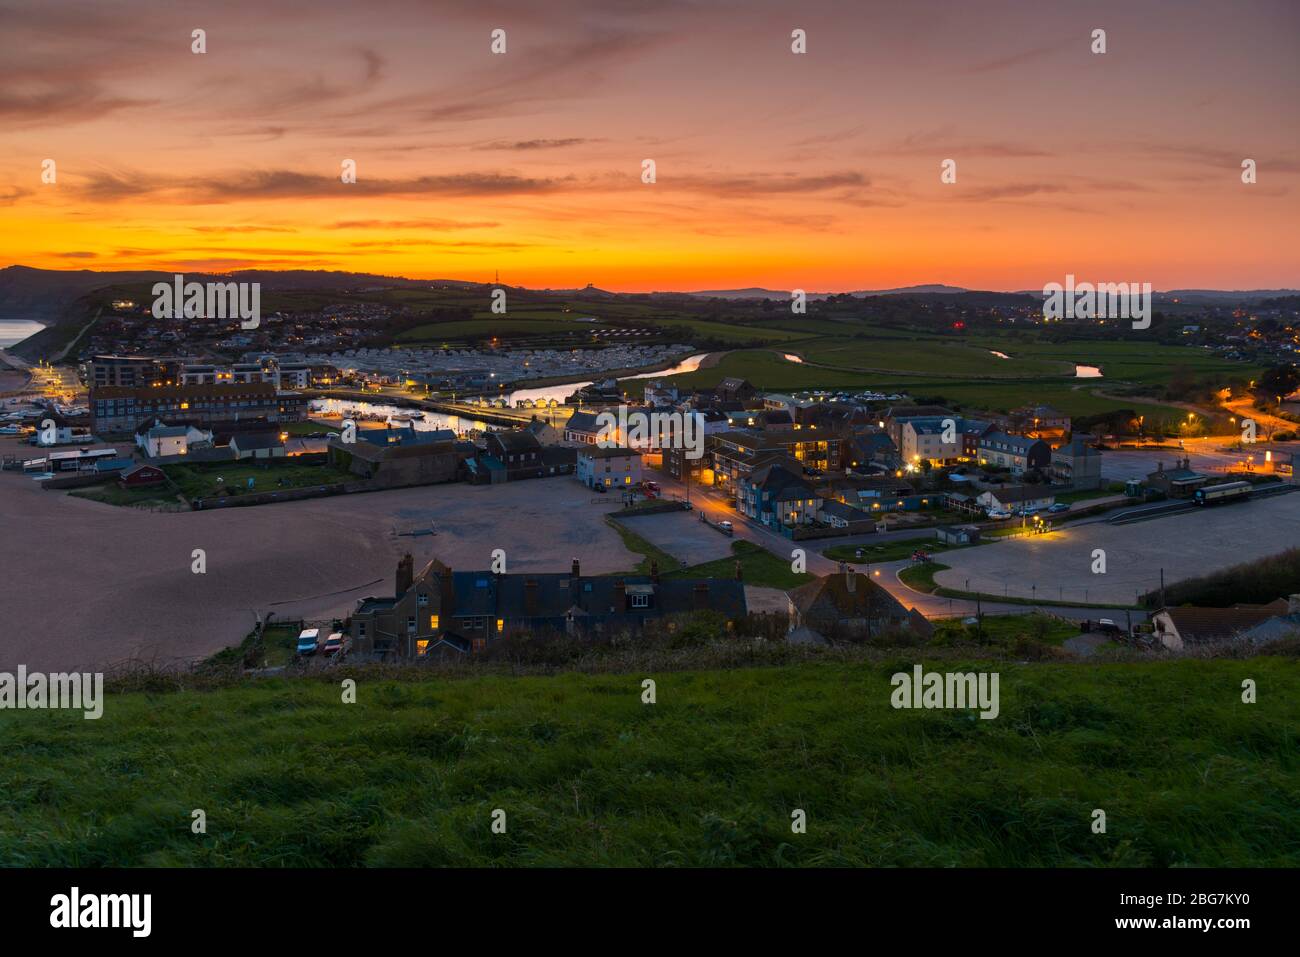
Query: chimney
point(620, 596)
point(702, 596)
point(405, 574)
point(447, 596)
point(530, 597)
point(577, 569)
point(850, 581)
point(654, 570)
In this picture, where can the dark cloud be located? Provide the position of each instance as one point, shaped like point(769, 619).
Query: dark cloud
point(291, 184)
point(523, 145)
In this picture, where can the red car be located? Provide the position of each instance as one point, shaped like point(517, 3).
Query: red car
point(335, 644)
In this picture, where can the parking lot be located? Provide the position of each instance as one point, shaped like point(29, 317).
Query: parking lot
point(682, 535)
point(1058, 566)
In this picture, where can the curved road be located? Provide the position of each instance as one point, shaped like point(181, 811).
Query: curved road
point(932, 606)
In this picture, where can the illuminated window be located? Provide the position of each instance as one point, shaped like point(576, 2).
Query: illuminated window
point(501, 624)
point(433, 621)
point(421, 647)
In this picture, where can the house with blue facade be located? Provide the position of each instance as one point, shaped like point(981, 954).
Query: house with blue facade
point(779, 498)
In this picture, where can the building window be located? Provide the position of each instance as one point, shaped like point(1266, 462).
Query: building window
point(501, 624)
point(433, 622)
point(422, 599)
point(421, 646)
point(640, 601)
point(410, 625)
point(361, 629)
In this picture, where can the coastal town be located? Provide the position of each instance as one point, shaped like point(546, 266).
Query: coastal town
point(930, 512)
point(604, 438)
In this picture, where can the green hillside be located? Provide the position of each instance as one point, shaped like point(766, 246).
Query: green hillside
point(709, 775)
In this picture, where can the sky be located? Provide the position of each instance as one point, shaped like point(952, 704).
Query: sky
point(819, 171)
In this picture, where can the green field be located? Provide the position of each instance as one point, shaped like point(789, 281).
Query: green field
point(111, 493)
point(933, 357)
point(758, 566)
point(200, 481)
point(586, 774)
point(887, 551)
point(768, 370)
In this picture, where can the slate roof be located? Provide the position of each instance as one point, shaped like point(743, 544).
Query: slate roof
point(515, 440)
point(556, 594)
point(583, 422)
point(830, 597)
point(405, 436)
point(1019, 443)
point(1199, 625)
point(1021, 493)
point(256, 440)
point(780, 483)
point(611, 452)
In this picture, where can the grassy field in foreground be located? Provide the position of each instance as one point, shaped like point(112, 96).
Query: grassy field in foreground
point(588, 775)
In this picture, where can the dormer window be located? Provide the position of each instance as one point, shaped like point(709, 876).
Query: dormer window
point(640, 601)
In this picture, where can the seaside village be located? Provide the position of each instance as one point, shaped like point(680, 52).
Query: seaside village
point(817, 468)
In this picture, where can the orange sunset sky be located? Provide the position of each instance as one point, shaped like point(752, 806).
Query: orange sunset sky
point(819, 171)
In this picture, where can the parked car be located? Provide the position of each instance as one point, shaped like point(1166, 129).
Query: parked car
point(1059, 507)
point(1107, 625)
point(725, 526)
point(600, 489)
point(651, 486)
point(307, 639)
point(334, 644)
point(999, 513)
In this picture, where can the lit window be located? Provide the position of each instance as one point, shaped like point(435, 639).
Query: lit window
point(421, 647)
point(501, 624)
point(433, 622)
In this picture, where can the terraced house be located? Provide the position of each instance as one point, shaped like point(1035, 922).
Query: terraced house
point(1018, 453)
point(736, 455)
point(441, 611)
point(119, 409)
point(778, 498)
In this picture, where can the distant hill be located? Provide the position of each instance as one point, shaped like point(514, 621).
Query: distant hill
point(44, 294)
point(937, 289)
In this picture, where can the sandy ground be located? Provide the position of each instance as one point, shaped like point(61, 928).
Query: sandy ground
point(90, 584)
point(11, 381)
point(1184, 545)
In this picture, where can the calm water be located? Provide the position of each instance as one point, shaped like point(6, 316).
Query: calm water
point(13, 331)
point(438, 420)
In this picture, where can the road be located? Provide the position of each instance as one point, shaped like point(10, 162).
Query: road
point(885, 573)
